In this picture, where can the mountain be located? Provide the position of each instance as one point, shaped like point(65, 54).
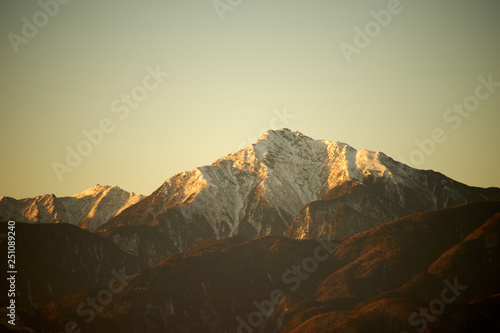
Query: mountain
point(435, 271)
point(87, 210)
point(369, 242)
point(286, 183)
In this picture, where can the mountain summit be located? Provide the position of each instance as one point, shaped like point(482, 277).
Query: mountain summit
point(287, 183)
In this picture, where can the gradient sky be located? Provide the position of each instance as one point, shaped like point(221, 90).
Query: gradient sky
point(227, 79)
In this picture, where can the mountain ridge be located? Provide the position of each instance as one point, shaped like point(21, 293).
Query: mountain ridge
point(88, 209)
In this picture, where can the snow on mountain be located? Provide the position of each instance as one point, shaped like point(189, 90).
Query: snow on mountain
point(88, 209)
point(262, 188)
point(257, 190)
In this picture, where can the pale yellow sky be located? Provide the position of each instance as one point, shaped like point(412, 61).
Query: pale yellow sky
point(171, 86)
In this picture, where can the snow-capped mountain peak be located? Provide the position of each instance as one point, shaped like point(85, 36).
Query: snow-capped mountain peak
point(262, 188)
point(97, 190)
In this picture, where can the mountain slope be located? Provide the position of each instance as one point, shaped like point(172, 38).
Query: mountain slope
point(373, 282)
point(87, 210)
point(390, 274)
point(377, 200)
point(57, 259)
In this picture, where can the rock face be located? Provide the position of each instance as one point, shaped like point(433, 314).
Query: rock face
point(288, 183)
point(87, 210)
point(362, 204)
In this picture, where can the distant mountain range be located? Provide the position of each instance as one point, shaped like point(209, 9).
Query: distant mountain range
point(285, 184)
point(346, 239)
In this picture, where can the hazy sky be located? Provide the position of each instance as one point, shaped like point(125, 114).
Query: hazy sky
point(231, 70)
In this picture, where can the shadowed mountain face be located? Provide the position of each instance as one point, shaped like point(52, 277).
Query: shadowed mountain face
point(57, 259)
point(436, 271)
point(358, 206)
